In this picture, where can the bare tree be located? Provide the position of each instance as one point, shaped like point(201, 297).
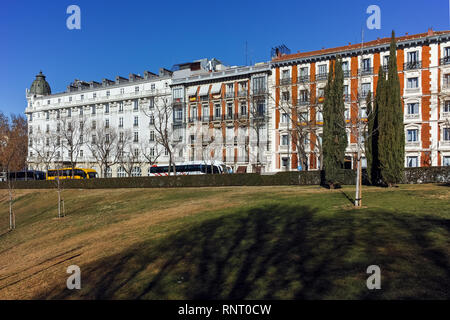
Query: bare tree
point(161, 110)
point(149, 153)
point(73, 133)
point(13, 153)
point(107, 146)
point(130, 158)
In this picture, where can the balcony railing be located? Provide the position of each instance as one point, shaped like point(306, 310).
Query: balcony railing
point(303, 78)
point(217, 117)
point(366, 71)
point(229, 95)
point(242, 93)
point(303, 102)
point(206, 118)
point(229, 116)
point(412, 65)
point(322, 76)
point(347, 74)
point(242, 116)
point(259, 91)
point(285, 81)
point(445, 60)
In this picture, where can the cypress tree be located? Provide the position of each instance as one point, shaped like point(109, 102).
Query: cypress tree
point(334, 133)
point(371, 143)
point(391, 146)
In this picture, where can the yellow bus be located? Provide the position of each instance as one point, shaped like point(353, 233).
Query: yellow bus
point(66, 173)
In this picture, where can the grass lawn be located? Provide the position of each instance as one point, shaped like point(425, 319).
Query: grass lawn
point(228, 243)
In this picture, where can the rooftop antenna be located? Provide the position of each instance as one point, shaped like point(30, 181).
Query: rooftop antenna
point(246, 53)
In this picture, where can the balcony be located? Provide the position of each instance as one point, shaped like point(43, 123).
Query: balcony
point(412, 65)
point(412, 144)
point(242, 116)
point(259, 91)
point(285, 81)
point(206, 118)
point(229, 95)
point(303, 102)
point(303, 78)
point(412, 116)
point(365, 71)
point(229, 116)
point(217, 118)
point(444, 144)
point(444, 61)
point(322, 76)
point(242, 93)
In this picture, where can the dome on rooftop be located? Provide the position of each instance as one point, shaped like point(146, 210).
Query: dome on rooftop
point(40, 86)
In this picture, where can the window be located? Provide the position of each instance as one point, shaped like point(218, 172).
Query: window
point(178, 115)
point(259, 84)
point(446, 134)
point(152, 151)
point(136, 89)
point(413, 108)
point(136, 137)
point(120, 136)
point(412, 162)
point(218, 110)
point(413, 83)
point(152, 102)
point(303, 96)
point(107, 93)
point(284, 140)
point(31, 117)
point(120, 122)
point(81, 153)
point(205, 111)
point(322, 69)
point(363, 112)
point(94, 95)
point(412, 135)
point(152, 87)
point(58, 114)
point(107, 138)
point(92, 109)
point(365, 88)
point(152, 119)
point(47, 129)
point(319, 116)
point(94, 138)
point(81, 111)
point(106, 108)
point(136, 121)
point(286, 74)
point(136, 152)
point(446, 161)
point(243, 108)
point(70, 99)
point(284, 118)
point(320, 92)
point(365, 64)
point(285, 96)
point(385, 61)
point(69, 112)
point(135, 105)
point(107, 123)
point(345, 66)
point(121, 106)
point(121, 172)
point(58, 127)
point(94, 124)
point(152, 136)
point(136, 172)
point(229, 110)
point(260, 107)
point(81, 139)
point(82, 97)
point(447, 106)
point(446, 80)
point(413, 56)
point(178, 94)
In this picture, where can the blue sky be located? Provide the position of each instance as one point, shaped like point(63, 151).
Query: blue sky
point(119, 37)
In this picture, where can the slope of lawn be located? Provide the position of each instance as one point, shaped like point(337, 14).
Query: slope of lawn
point(228, 243)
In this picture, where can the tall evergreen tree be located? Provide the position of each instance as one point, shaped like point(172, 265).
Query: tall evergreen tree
point(391, 146)
point(334, 133)
point(371, 142)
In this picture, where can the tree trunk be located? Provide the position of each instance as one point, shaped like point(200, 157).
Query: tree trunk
point(12, 219)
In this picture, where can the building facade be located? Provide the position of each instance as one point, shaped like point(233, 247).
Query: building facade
point(266, 117)
point(423, 62)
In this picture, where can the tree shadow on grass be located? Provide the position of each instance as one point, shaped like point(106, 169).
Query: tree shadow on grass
point(277, 252)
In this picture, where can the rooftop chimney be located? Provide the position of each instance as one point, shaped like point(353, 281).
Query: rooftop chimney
point(430, 32)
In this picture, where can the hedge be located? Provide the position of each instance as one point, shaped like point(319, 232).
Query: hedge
point(412, 175)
